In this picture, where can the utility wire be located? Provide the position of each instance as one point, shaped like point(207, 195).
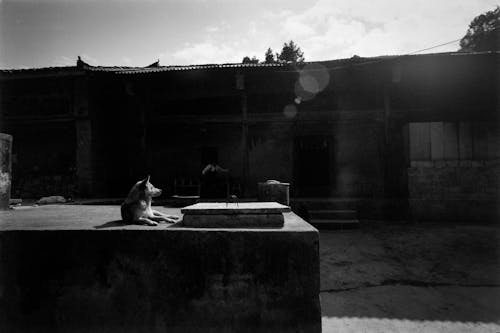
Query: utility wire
point(389, 58)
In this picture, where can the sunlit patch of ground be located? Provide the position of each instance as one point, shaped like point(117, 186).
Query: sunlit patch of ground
point(414, 278)
point(385, 325)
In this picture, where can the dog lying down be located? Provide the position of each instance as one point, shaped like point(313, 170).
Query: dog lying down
point(137, 206)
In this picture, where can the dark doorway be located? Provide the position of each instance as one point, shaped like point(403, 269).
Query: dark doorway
point(312, 166)
point(209, 155)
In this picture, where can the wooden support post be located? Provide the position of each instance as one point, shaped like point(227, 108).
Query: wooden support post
point(244, 142)
point(83, 128)
point(387, 142)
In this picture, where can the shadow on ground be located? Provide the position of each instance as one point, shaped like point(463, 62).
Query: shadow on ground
point(121, 223)
point(112, 224)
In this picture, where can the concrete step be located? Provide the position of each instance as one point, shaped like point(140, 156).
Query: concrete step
point(327, 203)
point(334, 214)
point(330, 224)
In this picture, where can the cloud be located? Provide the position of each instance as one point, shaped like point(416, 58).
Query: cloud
point(332, 29)
point(127, 61)
point(212, 28)
point(217, 28)
point(336, 29)
point(63, 61)
point(207, 52)
point(89, 59)
point(71, 61)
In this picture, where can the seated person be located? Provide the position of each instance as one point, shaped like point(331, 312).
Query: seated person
point(213, 168)
point(214, 181)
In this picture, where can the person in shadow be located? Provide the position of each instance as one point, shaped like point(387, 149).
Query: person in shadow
point(214, 180)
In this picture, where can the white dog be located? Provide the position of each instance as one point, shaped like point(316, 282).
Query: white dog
point(137, 206)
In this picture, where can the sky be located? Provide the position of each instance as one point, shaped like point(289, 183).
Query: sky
point(42, 33)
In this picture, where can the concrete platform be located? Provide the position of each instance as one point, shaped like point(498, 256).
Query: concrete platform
point(66, 268)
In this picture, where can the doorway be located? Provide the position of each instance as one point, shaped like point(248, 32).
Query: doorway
point(312, 166)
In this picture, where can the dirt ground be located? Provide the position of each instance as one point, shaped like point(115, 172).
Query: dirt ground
point(407, 278)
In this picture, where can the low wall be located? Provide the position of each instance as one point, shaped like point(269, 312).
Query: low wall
point(76, 268)
point(454, 190)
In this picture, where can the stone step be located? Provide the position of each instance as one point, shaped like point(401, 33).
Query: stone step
point(332, 224)
point(334, 214)
point(327, 203)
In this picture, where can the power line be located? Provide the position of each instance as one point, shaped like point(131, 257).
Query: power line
point(434, 47)
point(382, 60)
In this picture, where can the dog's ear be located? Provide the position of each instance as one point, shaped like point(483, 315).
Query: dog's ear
point(145, 181)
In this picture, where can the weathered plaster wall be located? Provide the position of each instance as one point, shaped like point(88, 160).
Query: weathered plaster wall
point(271, 153)
point(358, 159)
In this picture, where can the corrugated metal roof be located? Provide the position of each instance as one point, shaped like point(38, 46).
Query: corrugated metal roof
point(40, 70)
point(195, 67)
point(145, 70)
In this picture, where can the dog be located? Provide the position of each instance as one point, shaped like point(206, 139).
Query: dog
point(137, 209)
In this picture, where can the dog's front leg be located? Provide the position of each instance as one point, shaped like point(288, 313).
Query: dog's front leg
point(157, 213)
point(162, 219)
point(146, 221)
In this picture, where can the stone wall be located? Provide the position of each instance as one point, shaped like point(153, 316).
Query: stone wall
point(455, 171)
point(455, 190)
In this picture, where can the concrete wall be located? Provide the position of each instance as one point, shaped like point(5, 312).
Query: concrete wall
point(139, 279)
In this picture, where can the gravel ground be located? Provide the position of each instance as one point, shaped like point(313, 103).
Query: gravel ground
point(425, 278)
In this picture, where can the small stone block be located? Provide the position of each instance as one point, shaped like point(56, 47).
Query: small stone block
point(274, 191)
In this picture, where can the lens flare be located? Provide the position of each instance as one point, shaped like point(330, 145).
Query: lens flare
point(309, 83)
point(313, 79)
point(290, 111)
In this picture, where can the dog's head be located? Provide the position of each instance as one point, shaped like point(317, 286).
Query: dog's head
point(148, 188)
point(143, 189)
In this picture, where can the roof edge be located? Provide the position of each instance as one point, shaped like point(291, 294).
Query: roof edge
point(155, 67)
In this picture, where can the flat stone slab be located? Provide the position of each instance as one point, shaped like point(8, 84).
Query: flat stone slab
point(235, 215)
point(223, 208)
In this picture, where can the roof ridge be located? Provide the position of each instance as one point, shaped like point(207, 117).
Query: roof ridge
point(159, 68)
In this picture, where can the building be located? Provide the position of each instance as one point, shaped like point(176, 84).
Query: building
point(406, 136)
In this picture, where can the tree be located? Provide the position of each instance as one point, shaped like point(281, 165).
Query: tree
point(483, 33)
point(269, 56)
point(290, 53)
point(247, 60)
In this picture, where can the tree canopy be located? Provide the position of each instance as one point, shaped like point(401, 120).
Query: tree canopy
point(290, 53)
point(247, 60)
point(483, 33)
point(269, 56)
